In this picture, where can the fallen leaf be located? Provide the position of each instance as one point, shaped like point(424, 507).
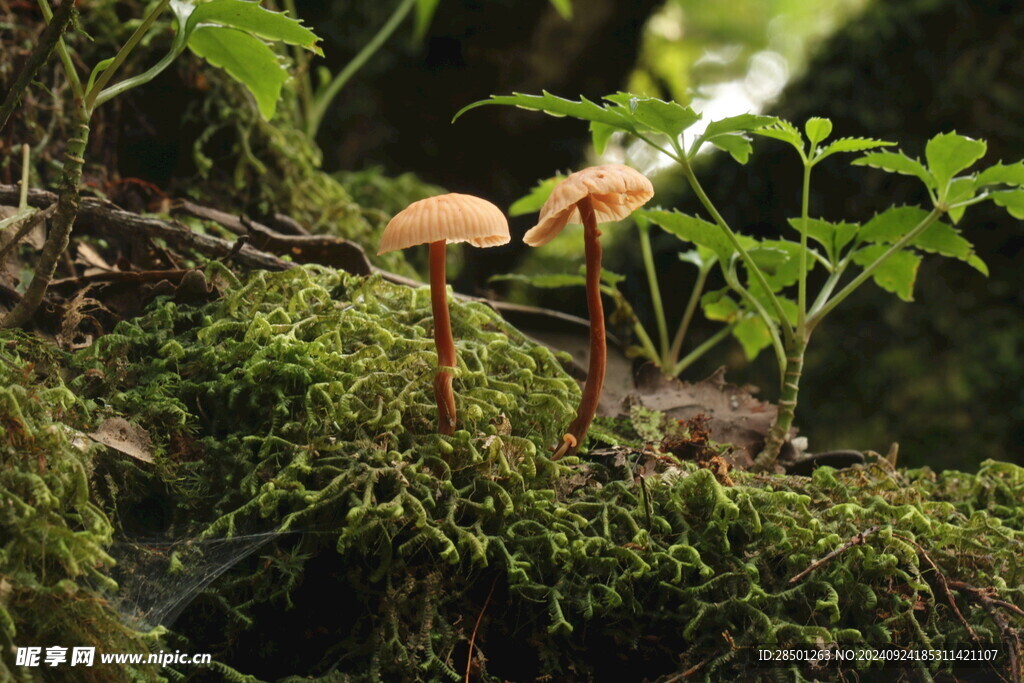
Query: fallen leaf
point(123, 436)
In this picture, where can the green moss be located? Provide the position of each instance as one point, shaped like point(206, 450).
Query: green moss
point(53, 537)
point(303, 401)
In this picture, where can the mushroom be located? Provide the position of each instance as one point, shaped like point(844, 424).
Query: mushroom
point(594, 195)
point(438, 221)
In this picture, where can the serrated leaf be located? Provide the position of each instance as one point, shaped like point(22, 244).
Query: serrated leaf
point(753, 335)
point(850, 145)
point(692, 229)
point(728, 134)
point(584, 109)
point(250, 17)
point(1001, 174)
point(897, 162)
point(719, 306)
point(534, 200)
point(742, 123)
point(768, 258)
point(783, 130)
point(785, 271)
point(960, 190)
point(944, 239)
point(657, 115)
point(892, 224)
point(246, 58)
point(897, 274)
point(950, 153)
point(817, 129)
point(702, 257)
point(833, 236)
point(738, 146)
point(1011, 200)
point(600, 133)
point(609, 278)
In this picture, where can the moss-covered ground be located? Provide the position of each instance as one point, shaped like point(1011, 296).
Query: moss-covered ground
point(299, 408)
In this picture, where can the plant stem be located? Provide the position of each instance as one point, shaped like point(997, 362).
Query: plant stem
point(703, 348)
point(801, 304)
point(787, 406)
point(817, 316)
point(323, 99)
point(598, 344)
point(684, 324)
point(122, 54)
point(62, 52)
point(691, 178)
point(64, 219)
point(652, 281)
point(23, 197)
point(443, 340)
point(56, 24)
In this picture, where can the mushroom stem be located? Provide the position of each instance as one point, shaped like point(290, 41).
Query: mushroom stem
point(598, 346)
point(443, 340)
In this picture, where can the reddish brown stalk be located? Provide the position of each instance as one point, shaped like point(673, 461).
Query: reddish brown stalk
point(443, 340)
point(598, 346)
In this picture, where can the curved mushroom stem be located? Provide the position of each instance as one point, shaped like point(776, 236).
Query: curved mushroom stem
point(443, 340)
point(598, 346)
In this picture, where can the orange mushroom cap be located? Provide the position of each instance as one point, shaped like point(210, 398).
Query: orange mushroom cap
point(615, 192)
point(448, 217)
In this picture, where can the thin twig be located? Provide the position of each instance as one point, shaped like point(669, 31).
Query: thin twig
point(856, 540)
point(30, 222)
point(1011, 638)
point(479, 618)
point(40, 53)
point(943, 581)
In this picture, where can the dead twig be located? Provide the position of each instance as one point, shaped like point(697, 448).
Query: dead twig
point(1011, 637)
point(26, 226)
point(942, 581)
point(476, 627)
point(40, 53)
point(856, 540)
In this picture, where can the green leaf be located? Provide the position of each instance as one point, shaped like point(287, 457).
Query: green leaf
point(896, 274)
point(960, 190)
point(1011, 200)
point(833, 236)
point(753, 336)
point(817, 129)
point(692, 229)
point(850, 145)
point(1001, 174)
point(892, 224)
point(738, 146)
point(786, 271)
point(600, 133)
point(564, 7)
point(948, 154)
point(728, 134)
point(425, 10)
point(702, 257)
point(96, 71)
point(719, 306)
point(585, 110)
point(669, 118)
point(941, 238)
point(785, 131)
point(259, 21)
point(532, 202)
point(246, 58)
point(897, 162)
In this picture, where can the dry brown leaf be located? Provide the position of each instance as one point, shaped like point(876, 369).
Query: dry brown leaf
point(124, 437)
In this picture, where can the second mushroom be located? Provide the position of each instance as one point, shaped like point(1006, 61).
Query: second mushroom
point(438, 221)
point(599, 194)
